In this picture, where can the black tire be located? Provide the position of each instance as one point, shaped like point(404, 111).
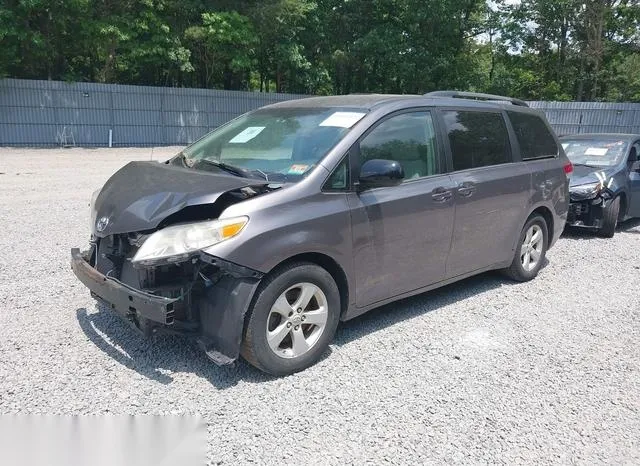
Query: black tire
point(516, 270)
point(610, 219)
point(256, 350)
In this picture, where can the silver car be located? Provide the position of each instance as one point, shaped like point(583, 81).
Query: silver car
point(260, 237)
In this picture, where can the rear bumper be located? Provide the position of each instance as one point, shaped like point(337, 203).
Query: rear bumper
point(136, 307)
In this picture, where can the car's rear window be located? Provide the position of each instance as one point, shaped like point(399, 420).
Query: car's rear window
point(534, 137)
point(477, 139)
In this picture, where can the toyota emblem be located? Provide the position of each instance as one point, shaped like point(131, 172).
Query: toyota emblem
point(102, 224)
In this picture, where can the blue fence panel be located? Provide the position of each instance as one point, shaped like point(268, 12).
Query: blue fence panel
point(591, 117)
point(51, 113)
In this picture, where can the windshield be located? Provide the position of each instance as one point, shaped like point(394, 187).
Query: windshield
point(595, 152)
point(279, 144)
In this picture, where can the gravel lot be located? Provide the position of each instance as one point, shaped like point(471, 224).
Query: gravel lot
point(480, 371)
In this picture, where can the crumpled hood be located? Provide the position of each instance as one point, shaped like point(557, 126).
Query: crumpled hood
point(587, 175)
point(142, 194)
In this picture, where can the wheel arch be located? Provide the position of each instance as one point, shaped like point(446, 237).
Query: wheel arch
point(624, 204)
point(330, 265)
point(545, 212)
point(547, 215)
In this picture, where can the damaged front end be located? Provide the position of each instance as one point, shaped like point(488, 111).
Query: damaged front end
point(202, 296)
point(150, 224)
point(588, 203)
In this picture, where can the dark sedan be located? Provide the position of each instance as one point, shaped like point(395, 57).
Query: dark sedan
point(605, 184)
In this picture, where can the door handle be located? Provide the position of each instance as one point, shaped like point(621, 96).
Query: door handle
point(466, 189)
point(441, 194)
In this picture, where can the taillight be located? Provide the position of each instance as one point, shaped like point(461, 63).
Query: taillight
point(568, 168)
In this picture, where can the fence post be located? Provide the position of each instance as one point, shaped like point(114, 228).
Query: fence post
point(111, 119)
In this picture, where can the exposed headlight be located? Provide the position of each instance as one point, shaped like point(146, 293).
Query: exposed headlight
point(590, 189)
point(178, 242)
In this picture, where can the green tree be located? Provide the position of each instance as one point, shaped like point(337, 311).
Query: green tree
point(532, 49)
point(224, 46)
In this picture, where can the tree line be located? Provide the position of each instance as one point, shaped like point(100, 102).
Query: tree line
point(531, 49)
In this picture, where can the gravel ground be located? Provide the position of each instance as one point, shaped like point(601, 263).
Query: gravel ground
point(482, 371)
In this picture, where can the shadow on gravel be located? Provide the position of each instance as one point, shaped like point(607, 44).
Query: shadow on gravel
point(630, 226)
point(390, 314)
point(577, 233)
point(159, 355)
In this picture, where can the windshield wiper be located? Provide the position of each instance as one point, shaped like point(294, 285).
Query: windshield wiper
point(237, 171)
point(186, 161)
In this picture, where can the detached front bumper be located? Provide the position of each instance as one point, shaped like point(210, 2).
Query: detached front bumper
point(587, 213)
point(138, 308)
point(215, 306)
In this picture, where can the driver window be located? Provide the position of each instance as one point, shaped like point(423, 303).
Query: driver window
point(408, 138)
point(633, 153)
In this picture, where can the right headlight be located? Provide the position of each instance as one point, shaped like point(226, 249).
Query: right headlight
point(179, 241)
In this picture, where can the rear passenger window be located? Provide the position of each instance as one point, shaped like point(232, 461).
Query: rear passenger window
point(477, 139)
point(408, 138)
point(535, 139)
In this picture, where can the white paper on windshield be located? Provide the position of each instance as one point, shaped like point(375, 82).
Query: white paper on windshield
point(343, 119)
point(247, 134)
point(597, 151)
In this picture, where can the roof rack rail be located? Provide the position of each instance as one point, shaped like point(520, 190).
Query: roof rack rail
point(477, 96)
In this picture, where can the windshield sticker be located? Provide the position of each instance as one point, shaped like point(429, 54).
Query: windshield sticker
point(343, 119)
point(297, 169)
point(247, 135)
point(597, 151)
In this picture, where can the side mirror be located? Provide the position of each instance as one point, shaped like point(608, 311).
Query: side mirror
point(635, 166)
point(379, 173)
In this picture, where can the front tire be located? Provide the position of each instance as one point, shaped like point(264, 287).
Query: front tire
point(531, 251)
point(292, 320)
point(610, 219)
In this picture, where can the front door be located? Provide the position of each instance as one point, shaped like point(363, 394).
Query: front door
point(491, 191)
point(402, 234)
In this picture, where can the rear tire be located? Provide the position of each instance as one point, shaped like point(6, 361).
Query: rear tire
point(531, 250)
point(292, 320)
point(610, 219)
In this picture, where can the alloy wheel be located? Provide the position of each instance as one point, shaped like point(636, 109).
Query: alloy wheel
point(296, 320)
point(531, 249)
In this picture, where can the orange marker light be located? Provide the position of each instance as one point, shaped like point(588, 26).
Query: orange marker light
point(231, 230)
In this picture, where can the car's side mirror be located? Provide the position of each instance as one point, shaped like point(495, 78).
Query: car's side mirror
point(380, 173)
point(635, 166)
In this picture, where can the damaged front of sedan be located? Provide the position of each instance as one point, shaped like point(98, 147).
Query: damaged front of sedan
point(600, 182)
point(182, 246)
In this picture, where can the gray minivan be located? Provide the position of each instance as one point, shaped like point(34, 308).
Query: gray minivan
point(260, 237)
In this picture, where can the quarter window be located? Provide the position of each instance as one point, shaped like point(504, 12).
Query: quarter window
point(339, 179)
point(535, 139)
point(477, 139)
point(408, 138)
